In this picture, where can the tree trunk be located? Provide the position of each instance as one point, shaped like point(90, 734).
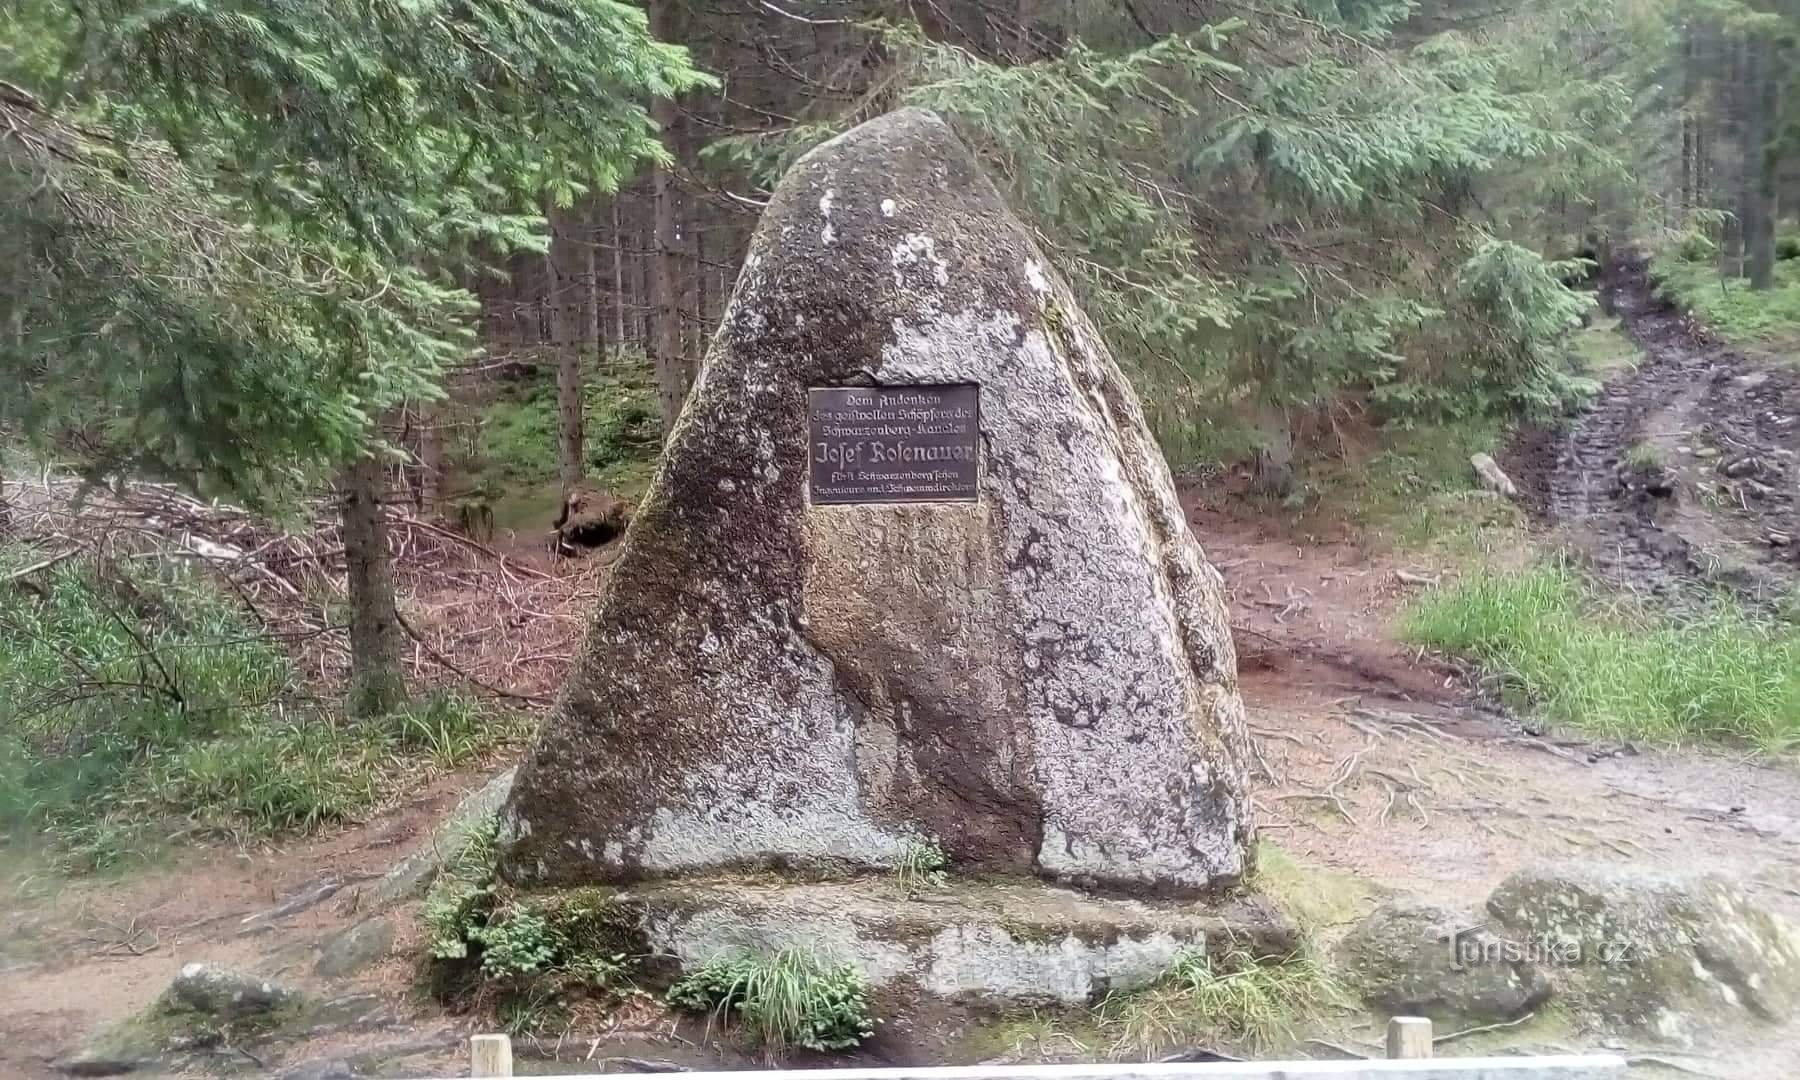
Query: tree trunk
point(1731, 246)
point(571, 464)
point(377, 685)
point(1763, 164)
point(670, 360)
point(431, 456)
point(592, 335)
point(1274, 473)
point(618, 275)
point(568, 344)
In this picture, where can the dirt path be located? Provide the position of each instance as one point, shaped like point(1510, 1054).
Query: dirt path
point(1380, 768)
point(1686, 469)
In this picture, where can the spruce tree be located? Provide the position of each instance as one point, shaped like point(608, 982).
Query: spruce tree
point(242, 224)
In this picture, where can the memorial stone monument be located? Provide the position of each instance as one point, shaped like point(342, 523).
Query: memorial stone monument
point(912, 572)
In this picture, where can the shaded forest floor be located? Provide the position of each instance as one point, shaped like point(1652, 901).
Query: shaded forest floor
point(1385, 769)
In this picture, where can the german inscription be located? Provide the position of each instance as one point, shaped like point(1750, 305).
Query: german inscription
point(883, 444)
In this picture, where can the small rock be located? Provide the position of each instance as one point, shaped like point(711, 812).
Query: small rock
point(1707, 453)
point(102, 1063)
point(322, 1069)
point(350, 950)
point(222, 992)
point(1779, 539)
point(1418, 959)
point(1740, 467)
point(1491, 477)
point(1653, 952)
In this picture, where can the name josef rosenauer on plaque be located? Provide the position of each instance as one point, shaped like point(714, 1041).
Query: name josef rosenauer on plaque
point(884, 444)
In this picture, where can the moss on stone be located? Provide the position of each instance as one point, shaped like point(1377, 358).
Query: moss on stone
point(1323, 902)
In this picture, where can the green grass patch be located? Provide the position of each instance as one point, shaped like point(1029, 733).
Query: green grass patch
point(1767, 320)
point(789, 998)
point(1643, 456)
point(1321, 901)
point(1233, 998)
point(1602, 348)
point(1616, 669)
point(137, 703)
point(922, 867)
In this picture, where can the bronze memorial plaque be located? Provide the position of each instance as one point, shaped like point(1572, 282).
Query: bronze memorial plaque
point(885, 444)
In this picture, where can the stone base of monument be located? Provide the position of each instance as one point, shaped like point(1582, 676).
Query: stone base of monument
point(1006, 942)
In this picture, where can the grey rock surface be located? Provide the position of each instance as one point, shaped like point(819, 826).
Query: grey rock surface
point(412, 876)
point(1020, 942)
point(1665, 954)
point(99, 1062)
point(1416, 959)
point(355, 947)
point(1041, 681)
point(228, 994)
point(322, 1069)
point(1492, 477)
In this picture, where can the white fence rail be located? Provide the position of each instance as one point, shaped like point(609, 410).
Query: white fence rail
point(1408, 1044)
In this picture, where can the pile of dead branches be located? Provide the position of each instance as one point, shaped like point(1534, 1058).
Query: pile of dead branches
point(503, 623)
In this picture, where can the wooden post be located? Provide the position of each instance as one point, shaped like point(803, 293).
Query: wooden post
point(490, 1056)
point(1409, 1037)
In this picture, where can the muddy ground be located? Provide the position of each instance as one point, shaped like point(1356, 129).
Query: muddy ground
point(1382, 770)
point(1685, 471)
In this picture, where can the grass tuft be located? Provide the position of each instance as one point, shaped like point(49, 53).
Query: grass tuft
point(1617, 669)
point(921, 867)
point(1232, 998)
point(786, 999)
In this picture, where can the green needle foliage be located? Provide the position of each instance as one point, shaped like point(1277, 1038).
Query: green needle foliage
point(244, 225)
point(1298, 209)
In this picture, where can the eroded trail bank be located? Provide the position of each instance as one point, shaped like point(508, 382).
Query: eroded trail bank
point(1684, 470)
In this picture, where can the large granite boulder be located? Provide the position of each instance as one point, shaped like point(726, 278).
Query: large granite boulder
point(1018, 653)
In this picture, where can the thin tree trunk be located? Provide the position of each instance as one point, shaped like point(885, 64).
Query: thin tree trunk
point(668, 357)
point(377, 684)
point(1764, 166)
point(1274, 473)
point(590, 284)
point(1731, 246)
point(431, 456)
point(618, 275)
point(567, 332)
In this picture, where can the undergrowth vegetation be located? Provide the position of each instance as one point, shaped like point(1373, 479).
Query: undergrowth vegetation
point(531, 958)
point(789, 998)
point(138, 702)
point(1770, 320)
point(515, 451)
point(1414, 485)
point(1615, 668)
point(1234, 997)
